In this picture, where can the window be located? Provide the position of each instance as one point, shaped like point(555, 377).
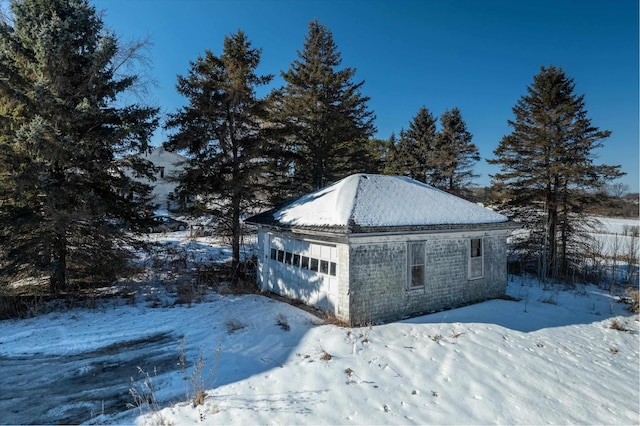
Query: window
point(332, 270)
point(476, 259)
point(318, 263)
point(161, 170)
point(314, 264)
point(416, 260)
point(324, 267)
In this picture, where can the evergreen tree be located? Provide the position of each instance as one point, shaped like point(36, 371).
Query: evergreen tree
point(324, 113)
point(547, 175)
point(223, 130)
point(414, 154)
point(392, 163)
point(443, 159)
point(65, 140)
point(459, 154)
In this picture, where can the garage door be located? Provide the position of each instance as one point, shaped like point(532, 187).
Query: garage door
point(303, 270)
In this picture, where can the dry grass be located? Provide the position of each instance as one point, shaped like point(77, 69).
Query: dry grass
point(632, 297)
point(618, 325)
point(283, 322)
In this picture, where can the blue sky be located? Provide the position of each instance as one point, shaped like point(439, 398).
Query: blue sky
point(476, 55)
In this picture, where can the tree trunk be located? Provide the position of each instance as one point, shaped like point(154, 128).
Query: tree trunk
point(58, 278)
point(551, 252)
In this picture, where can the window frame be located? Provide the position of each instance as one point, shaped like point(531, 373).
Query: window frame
point(305, 260)
point(474, 258)
point(411, 264)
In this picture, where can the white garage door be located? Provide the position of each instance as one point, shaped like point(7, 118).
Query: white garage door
point(303, 270)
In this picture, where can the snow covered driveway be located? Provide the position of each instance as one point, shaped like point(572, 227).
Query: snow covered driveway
point(45, 388)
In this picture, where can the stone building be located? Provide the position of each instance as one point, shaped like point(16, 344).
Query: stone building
point(374, 248)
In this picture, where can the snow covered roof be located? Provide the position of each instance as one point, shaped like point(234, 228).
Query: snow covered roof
point(379, 201)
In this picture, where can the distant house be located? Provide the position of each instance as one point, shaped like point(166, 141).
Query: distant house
point(373, 248)
point(168, 165)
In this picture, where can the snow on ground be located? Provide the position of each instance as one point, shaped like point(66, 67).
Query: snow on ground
point(615, 237)
point(549, 357)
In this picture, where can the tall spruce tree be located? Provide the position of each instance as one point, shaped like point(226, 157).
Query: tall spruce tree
point(443, 159)
point(66, 139)
point(547, 175)
point(413, 154)
point(324, 113)
point(459, 154)
point(223, 131)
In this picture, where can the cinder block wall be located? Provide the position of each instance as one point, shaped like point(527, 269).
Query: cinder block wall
point(378, 289)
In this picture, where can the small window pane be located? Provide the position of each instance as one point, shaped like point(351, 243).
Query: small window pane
point(324, 267)
point(416, 264)
point(296, 260)
point(305, 262)
point(274, 253)
point(287, 258)
point(417, 276)
point(314, 264)
point(417, 254)
point(476, 247)
point(280, 255)
point(332, 269)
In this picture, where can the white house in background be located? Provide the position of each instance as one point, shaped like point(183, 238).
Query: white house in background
point(374, 248)
point(167, 164)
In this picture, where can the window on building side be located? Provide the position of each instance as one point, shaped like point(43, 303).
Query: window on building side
point(305, 262)
point(476, 259)
point(332, 270)
point(314, 264)
point(416, 264)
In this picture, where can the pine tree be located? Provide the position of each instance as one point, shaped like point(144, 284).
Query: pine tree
point(414, 154)
point(459, 154)
point(547, 175)
point(324, 113)
point(223, 131)
point(66, 139)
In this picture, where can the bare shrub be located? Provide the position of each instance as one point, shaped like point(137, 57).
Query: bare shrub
point(618, 325)
point(195, 389)
point(144, 398)
point(632, 296)
point(189, 292)
point(197, 381)
point(436, 338)
point(324, 355)
point(283, 322)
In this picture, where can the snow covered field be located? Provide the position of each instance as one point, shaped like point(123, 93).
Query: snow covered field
point(552, 356)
